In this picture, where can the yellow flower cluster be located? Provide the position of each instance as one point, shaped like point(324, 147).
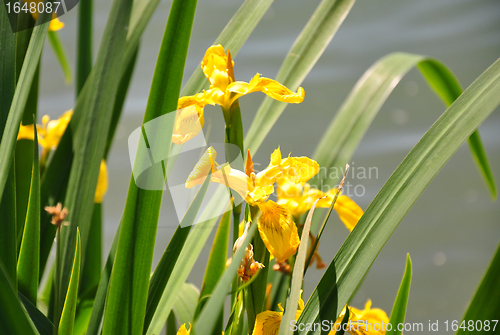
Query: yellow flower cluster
point(276, 225)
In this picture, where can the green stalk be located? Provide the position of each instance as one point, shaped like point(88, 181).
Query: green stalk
point(84, 46)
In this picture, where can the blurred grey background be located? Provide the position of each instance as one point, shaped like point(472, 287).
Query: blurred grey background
point(452, 230)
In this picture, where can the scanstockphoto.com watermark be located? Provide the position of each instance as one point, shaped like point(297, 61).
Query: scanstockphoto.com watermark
point(155, 166)
point(359, 327)
point(362, 327)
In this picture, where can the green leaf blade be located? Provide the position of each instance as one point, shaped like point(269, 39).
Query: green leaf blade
point(67, 322)
point(485, 304)
point(13, 317)
point(398, 313)
point(62, 57)
point(27, 264)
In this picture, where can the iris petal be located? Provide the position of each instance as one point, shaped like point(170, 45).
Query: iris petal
point(277, 230)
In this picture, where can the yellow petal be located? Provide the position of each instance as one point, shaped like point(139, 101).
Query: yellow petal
point(183, 330)
point(102, 183)
point(299, 169)
point(54, 130)
point(55, 24)
point(214, 66)
point(277, 230)
point(188, 123)
point(348, 211)
point(267, 323)
point(26, 133)
point(370, 315)
point(224, 174)
point(373, 319)
point(268, 86)
point(202, 168)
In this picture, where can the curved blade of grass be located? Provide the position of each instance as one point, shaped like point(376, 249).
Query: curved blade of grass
point(398, 313)
point(90, 138)
point(305, 52)
point(27, 265)
point(8, 245)
point(185, 305)
point(84, 44)
point(398, 195)
point(297, 276)
point(67, 321)
point(165, 267)
point(62, 57)
point(9, 136)
point(367, 97)
point(13, 317)
point(134, 256)
point(42, 324)
point(485, 304)
point(207, 320)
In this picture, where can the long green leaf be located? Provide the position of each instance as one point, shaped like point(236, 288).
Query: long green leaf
point(9, 136)
point(13, 317)
point(61, 55)
point(485, 304)
point(8, 245)
point(84, 46)
point(367, 97)
point(305, 52)
point(297, 277)
point(165, 267)
point(134, 255)
point(207, 319)
point(27, 269)
point(398, 313)
point(399, 194)
point(67, 321)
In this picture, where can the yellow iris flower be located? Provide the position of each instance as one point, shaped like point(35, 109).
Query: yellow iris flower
point(224, 90)
point(276, 226)
point(54, 24)
point(299, 198)
point(49, 136)
point(268, 322)
point(374, 321)
point(49, 133)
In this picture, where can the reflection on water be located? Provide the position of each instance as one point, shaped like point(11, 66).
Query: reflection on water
point(452, 230)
